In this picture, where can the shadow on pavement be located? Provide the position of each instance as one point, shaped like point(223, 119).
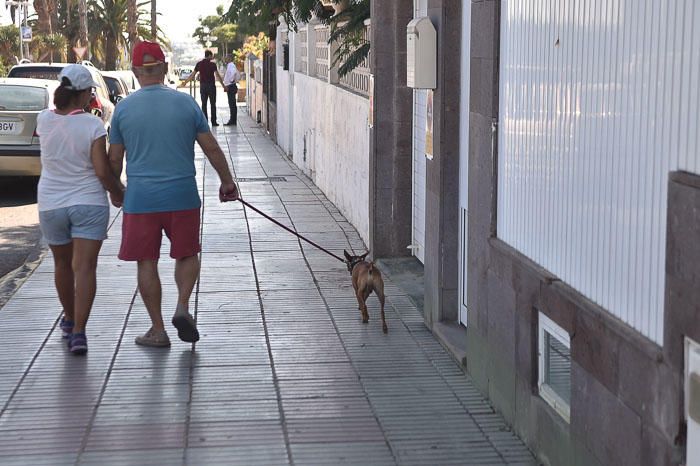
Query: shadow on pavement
point(17, 191)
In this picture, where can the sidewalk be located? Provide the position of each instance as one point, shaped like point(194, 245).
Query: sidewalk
point(285, 372)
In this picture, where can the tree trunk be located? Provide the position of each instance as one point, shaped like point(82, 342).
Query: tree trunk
point(132, 20)
point(111, 52)
point(52, 7)
point(154, 25)
point(42, 11)
point(83, 35)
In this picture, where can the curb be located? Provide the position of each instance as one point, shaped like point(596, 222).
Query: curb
point(13, 280)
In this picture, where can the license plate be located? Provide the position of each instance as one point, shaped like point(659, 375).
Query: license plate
point(11, 127)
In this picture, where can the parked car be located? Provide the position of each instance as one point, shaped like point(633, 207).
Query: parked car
point(21, 101)
point(128, 77)
point(118, 89)
point(185, 73)
point(100, 105)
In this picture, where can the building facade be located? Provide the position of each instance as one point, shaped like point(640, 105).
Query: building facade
point(556, 212)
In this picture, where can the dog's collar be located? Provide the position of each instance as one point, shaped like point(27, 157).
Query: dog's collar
point(354, 262)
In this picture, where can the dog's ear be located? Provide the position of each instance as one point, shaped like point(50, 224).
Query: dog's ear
point(347, 256)
point(364, 255)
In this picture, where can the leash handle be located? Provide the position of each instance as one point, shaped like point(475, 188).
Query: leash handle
point(290, 230)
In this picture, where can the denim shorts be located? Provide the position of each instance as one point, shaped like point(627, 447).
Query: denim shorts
point(60, 226)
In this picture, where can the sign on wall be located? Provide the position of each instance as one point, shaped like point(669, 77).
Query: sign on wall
point(26, 33)
point(429, 126)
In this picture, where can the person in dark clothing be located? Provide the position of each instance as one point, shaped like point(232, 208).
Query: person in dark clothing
point(207, 83)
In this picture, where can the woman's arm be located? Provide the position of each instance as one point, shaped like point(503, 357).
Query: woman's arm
point(103, 170)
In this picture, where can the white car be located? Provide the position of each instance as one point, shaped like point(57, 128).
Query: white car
point(21, 101)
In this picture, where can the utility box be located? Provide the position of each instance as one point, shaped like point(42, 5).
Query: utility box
point(421, 46)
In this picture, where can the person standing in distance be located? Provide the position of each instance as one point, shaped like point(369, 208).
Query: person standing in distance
point(231, 78)
point(207, 83)
point(157, 128)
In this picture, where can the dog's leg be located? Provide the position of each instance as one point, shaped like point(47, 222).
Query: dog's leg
point(380, 294)
point(360, 303)
point(363, 306)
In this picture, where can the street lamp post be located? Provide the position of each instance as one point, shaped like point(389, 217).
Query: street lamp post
point(23, 6)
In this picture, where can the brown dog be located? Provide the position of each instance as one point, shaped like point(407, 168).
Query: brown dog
point(365, 279)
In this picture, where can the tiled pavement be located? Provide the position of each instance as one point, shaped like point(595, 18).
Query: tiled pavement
point(285, 372)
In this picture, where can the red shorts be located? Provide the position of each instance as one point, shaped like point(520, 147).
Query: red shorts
point(142, 234)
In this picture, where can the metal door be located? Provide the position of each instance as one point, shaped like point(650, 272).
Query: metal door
point(464, 163)
point(692, 402)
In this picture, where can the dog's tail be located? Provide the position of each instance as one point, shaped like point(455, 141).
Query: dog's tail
point(370, 268)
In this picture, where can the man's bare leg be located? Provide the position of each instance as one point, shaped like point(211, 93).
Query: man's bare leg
point(186, 273)
point(151, 292)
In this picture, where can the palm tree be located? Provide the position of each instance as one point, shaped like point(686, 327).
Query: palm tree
point(111, 25)
point(52, 46)
point(45, 18)
point(154, 25)
point(132, 20)
point(83, 30)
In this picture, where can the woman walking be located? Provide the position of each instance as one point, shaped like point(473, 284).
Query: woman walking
point(73, 206)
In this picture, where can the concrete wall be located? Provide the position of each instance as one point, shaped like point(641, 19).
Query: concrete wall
point(284, 107)
point(330, 143)
point(391, 150)
point(255, 92)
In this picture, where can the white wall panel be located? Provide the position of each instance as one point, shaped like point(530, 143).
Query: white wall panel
point(598, 102)
point(420, 99)
point(331, 144)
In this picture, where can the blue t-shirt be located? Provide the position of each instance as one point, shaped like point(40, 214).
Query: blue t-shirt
point(158, 127)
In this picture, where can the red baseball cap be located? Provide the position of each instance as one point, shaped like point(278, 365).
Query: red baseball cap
point(144, 48)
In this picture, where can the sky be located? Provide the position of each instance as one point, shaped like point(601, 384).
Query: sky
point(179, 17)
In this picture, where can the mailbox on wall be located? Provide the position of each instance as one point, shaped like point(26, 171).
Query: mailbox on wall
point(421, 46)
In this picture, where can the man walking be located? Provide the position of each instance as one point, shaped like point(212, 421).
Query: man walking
point(157, 127)
point(231, 78)
point(207, 83)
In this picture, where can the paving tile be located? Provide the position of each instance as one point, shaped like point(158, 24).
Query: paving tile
point(47, 459)
point(150, 457)
point(245, 455)
point(349, 453)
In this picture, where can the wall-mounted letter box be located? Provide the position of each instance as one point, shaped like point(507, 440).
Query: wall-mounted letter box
point(422, 54)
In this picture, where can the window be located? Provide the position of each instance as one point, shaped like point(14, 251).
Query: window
point(554, 365)
point(23, 98)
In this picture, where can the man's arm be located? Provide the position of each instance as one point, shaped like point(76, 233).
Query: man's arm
point(228, 190)
point(116, 159)
point(189, 78)
point(218, 75)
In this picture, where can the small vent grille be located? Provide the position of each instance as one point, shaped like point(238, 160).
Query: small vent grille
point(264, 179)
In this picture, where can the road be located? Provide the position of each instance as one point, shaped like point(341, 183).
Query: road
point(19, 223)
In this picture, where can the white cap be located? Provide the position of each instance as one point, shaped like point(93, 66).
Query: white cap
point(76, 78)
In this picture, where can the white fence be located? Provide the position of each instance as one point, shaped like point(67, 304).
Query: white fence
point(314, 57)
point(322, 64)
point(358, 79)
point(598, 102)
